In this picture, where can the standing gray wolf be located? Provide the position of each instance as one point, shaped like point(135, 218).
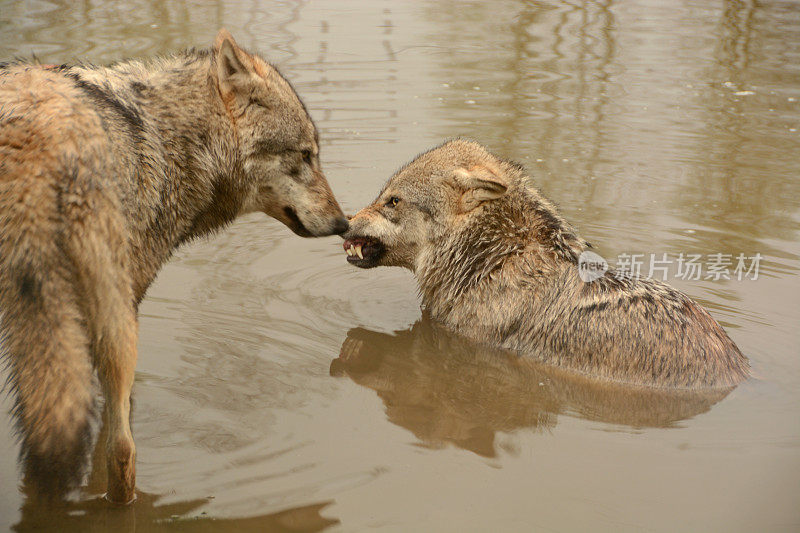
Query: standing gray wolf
point(494, 261)
point(104, 172)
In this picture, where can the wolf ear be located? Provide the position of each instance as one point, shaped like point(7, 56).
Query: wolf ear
point(480, 185)
point(232, 63)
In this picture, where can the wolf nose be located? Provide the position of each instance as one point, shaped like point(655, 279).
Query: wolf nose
point(341, 226)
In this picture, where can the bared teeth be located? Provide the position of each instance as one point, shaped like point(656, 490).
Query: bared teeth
point(355, 249)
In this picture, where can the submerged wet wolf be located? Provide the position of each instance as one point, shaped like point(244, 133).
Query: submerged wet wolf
point(104, 172)
point(495, 262)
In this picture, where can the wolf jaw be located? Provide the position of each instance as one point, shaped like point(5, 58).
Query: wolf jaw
point(363, 251)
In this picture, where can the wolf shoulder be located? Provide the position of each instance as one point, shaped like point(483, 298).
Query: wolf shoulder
point(45, 105)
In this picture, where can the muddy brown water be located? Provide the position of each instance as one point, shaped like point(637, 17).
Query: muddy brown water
point(658, 127)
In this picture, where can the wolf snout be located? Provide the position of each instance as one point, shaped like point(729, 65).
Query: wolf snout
point(335, 226)
point(314, 227)
point(341, 225)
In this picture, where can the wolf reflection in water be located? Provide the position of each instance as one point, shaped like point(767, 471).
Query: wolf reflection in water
point(449, 390)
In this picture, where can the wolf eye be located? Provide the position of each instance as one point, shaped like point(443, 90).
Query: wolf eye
point(393, 201)
point(306, 156)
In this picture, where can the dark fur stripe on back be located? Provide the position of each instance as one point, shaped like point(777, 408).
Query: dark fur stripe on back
point(129, 115)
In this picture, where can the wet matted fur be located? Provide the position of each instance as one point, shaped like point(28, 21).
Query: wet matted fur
point(496, 262)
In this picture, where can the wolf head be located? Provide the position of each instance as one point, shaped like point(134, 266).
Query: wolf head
point(425, 202)
point(277, 142)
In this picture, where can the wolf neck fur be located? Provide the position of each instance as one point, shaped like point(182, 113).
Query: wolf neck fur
point(187, 183)
point(520, 233)
point(182, 152)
